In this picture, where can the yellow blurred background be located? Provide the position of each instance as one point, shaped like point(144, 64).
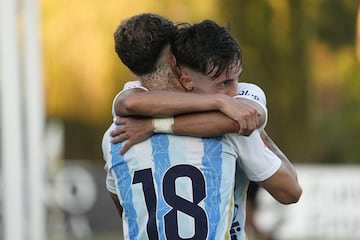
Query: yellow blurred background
point(80, 61)
point(304, 54)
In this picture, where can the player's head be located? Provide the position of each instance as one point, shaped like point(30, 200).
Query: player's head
point(140, 39)
point(207, 51)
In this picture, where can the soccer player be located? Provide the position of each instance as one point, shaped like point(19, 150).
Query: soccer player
point(251, 149)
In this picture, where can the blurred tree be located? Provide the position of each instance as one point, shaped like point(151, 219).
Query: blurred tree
point(358, 34)
point(335, 82)
point(272, 37)
point(335, 22)
point(302, 54)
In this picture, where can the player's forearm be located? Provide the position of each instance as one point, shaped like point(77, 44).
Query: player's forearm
point(207, 124)
point(283, 186)
point(166, 103)
point(276, 150)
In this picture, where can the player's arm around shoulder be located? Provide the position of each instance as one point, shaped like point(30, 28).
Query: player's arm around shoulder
point(127, 102)
point(138, 101)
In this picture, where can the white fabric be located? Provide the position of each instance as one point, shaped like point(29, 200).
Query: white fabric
point(163, 125)
point(253, 93)
point(106, 148)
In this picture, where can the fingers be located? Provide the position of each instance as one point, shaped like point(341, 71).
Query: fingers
point(242, 126)
point(258, 120)
point(126, 147)
point(119, 138)
point(248, 124)
point(117, 131)
point(119, 134)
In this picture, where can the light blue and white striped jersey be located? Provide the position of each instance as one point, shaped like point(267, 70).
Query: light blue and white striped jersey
point(254, 162)
point(175, 187)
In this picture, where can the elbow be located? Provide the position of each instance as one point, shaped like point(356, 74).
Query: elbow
point(298, 194)
point(291, 196)
point(125, 106)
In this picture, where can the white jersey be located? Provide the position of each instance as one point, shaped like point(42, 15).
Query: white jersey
point(175, 187)
point(255, 162)
point(253, 93)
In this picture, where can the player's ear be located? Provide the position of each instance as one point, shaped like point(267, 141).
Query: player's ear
point(185, 80)
point(173, 60)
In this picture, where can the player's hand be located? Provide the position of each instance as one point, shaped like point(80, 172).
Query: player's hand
point(131, 130)
point(251, 117)
point(245, 114)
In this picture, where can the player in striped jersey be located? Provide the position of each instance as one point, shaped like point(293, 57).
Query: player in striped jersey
point(249, 147)
point(175, 187)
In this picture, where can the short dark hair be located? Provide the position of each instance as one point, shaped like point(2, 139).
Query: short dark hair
point(140, 39)
point(206, 47)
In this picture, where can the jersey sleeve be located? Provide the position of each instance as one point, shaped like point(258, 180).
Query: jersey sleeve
point(254, 158)
point(253, 93)
point(127, 86)
point(133, 84)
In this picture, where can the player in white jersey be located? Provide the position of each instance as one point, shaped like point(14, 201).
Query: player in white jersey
point(247, 151)
point(254, 161)
point(265, 153)
point(258, 168)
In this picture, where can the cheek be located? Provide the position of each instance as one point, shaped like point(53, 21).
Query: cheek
point(232, 92)
point(220, 91)
point(204, 89)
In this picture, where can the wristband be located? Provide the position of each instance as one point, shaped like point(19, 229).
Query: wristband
point(163, 125)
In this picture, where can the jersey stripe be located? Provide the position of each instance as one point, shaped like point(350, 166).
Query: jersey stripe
point(160, 146)
point(213, 172)
point(124, 187)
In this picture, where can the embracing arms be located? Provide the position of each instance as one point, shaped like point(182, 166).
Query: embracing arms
point(137, 102)
point(200, 115)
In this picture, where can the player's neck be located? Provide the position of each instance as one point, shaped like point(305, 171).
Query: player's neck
point(163, 79)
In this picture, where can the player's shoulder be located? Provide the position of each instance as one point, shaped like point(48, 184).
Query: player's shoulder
point(133, 84)
point(130, 85)
point(245, 88)
point(247, 84)
point(251, 90)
